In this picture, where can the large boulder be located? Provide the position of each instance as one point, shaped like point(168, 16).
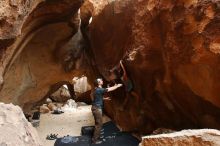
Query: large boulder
point(201, 137)
point(170, 50)
point(61, 95)
point(15, 129)
point(37, 39)
point(52, 106)
point(44, 109)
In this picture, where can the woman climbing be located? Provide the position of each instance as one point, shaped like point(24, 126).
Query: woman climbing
point(128, 86)
point(120, 72)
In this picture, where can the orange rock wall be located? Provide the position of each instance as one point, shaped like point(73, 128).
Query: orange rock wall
point(171, 53)
point(170, 50)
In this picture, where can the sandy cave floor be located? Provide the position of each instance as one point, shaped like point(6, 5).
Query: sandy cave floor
point(68, 123)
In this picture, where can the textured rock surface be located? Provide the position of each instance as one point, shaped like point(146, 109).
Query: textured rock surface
point(44, 109)
point(52, 106)
point(61, 95)
point(81, 85)
point(170, 50)
point(15, 129)
point(43, 49)
point(12, 16)
point(32, 75)
point(20, 20)
point(171, 54)
point(201, 137)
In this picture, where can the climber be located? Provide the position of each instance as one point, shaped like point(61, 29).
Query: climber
point(97, 107)
point(121, 73)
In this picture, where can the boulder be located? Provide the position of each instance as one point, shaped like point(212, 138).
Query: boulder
point(22, 23)
point(81, 84)
point(44, 109)
point(70, 105)
point(48, 100)
point(52, 106)
point(61, 95)
point(201, 137)
point(15, 129)
point(170, 50)
point(59, 105)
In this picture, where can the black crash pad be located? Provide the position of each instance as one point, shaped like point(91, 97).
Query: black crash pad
point(112, 137)
point(81, 141)
point(87, 130)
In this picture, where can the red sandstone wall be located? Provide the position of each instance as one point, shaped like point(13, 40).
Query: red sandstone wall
point(170, 50)
point(173, 57)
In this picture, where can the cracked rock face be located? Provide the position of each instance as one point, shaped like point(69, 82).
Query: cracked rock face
point(15, 129)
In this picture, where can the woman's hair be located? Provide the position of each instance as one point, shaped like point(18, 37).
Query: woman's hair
point(118, 72)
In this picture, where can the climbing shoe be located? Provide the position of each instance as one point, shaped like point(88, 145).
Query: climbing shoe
point(57, 112)
point(51, 137)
